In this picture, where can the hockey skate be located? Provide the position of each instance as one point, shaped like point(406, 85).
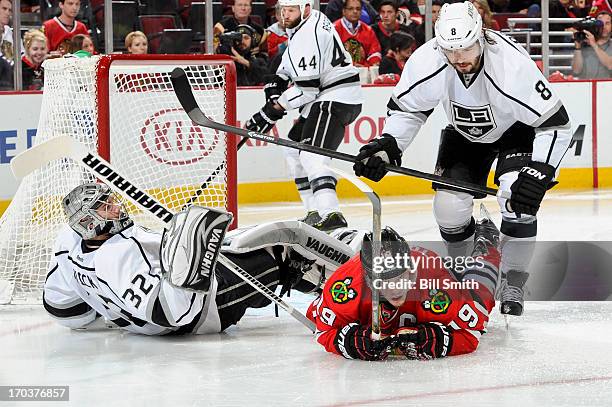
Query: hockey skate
point(331, 221)
point(486, 234)
point(512, 292)
point(311, 218)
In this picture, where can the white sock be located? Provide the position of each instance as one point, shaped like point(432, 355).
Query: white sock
point(308, 199)
point(326, 201)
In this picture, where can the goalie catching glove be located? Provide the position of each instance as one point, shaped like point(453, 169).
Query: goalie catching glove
point(529, 188)
point(264, 120)
point(190, 246)
point(430, 340)
point(355, 341)
point(372, 158)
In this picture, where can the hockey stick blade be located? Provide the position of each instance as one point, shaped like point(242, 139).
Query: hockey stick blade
point(185, 96)
point(38, 156)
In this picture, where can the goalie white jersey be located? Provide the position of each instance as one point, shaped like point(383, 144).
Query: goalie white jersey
point(122, 281)
point(318, 65)
point(508, 88)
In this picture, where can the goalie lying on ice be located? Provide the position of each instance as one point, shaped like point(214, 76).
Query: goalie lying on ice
point(419, 318)
point(178, 282)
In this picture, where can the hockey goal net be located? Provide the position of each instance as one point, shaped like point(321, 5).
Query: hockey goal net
point(124, 107)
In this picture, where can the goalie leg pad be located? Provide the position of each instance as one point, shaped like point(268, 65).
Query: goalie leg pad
point(190, 246)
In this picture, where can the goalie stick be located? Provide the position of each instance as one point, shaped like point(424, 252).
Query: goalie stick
point(184, 93)
point(66, 147)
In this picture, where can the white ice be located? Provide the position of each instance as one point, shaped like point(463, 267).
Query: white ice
point(557, 354)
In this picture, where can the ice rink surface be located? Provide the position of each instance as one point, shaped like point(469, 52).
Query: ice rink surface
point(557, 354)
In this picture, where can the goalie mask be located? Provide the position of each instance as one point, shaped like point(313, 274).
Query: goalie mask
point(388, 269)
point(94, 210)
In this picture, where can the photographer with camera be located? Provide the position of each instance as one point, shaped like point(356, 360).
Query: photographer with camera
point(241, 44)
point(593, 50)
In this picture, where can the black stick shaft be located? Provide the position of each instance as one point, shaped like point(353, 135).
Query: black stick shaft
point(187, 100)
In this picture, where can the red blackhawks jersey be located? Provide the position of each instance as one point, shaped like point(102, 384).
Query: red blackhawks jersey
point(361, 42)
point(436, 297)
point(56, 32)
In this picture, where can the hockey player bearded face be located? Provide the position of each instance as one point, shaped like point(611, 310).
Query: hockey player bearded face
point(294, 12)
point(460, 37)
point(95, 212)
point(390, 272)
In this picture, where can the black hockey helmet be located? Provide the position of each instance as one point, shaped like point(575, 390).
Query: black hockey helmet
point(393, 259)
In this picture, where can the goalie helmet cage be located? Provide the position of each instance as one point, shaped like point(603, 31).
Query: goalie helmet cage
point(125, 107)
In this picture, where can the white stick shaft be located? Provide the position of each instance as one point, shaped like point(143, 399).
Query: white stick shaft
point(376, 233)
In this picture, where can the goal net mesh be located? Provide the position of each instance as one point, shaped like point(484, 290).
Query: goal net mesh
point(134, 119)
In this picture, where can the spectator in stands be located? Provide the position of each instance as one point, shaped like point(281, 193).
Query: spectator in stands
point(419, 16)
point(419, 34)
point(512, 6)
point(389, 24)
point(32, 73)
point(6, 32)
point(335, 8)
point(401, 45)
point(136, 43)
point(600, 5)
point(593, 57)
point(6, 73)
point(277, 37)
point(241, 14)
point(482, 6)
point(251, 66)
point(358, 38)
point(81, 42)
point(62, 28)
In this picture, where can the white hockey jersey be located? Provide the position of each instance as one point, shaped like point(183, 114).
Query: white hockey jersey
point(508, 88)
point(122, 281)
point(318, 65)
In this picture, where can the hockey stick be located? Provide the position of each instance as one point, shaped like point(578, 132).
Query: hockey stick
point(67, 147)
point(185, 96)
point(376, 243)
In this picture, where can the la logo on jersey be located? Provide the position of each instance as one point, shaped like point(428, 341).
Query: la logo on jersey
point(473, 122)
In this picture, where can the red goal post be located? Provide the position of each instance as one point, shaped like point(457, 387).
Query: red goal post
point(125, 107)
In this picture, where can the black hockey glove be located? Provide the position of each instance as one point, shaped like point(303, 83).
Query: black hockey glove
point(430, 340)
point(372, 158)
point(529, 188)
point(354, 341)
point(264, 120)
point(275, 87)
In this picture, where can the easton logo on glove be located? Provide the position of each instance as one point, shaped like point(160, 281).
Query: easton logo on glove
point(534, 173)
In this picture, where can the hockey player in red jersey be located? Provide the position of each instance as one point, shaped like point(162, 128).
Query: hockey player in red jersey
point(432, 313)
